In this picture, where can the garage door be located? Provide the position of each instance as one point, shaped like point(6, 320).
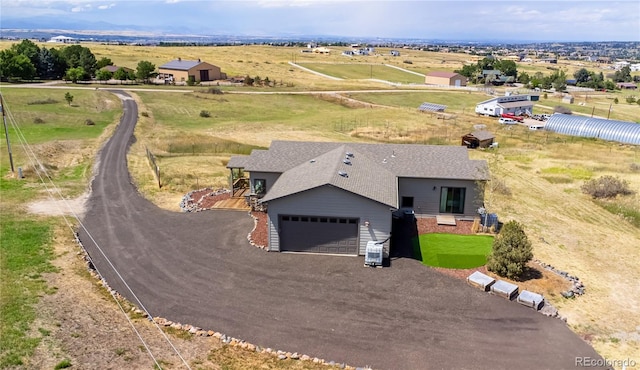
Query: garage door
point(319, 234)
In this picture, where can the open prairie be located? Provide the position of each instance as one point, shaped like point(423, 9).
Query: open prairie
point(536, 176)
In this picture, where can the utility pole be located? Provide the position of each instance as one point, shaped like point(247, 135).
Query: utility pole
point(6, 131)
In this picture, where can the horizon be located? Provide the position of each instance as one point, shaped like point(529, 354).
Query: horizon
point(463, 21)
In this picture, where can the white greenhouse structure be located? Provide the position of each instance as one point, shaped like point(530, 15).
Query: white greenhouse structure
point(600, 128)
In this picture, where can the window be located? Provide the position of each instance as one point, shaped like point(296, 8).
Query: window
point(407, 202)
point(452, 200)
point(260, 186)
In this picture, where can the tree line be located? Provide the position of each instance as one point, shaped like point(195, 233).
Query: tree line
point(557, 79)
point(27, 61)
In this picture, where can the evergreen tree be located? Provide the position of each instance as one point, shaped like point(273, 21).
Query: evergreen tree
point(511, 251)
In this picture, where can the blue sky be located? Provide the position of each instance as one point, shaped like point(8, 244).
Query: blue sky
point(559, 20)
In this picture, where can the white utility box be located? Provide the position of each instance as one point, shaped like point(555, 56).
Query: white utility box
point(374, 254)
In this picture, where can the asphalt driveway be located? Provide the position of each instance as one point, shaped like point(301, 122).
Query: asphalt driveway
point(198, 268)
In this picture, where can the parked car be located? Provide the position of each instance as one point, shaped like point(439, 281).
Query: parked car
point(507, 121)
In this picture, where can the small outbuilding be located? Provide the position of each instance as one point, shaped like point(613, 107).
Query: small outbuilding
point(445, 78)
point(180, 70)
point(627, 85)
point(478, 139)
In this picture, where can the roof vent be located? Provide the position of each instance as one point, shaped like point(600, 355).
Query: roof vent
point(349, 154)
point(312, 161)
point(393, 154)
point(346, 161)
point(384, 160)
point(343, 174)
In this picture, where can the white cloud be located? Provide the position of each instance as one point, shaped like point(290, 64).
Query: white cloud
point(85, 8)
point(105, 7)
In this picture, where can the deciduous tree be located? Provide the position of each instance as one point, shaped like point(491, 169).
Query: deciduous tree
point(144, 70)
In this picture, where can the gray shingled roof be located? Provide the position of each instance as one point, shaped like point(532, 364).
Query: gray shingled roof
point(180, 65)
point(383, 162)
point(361, 176)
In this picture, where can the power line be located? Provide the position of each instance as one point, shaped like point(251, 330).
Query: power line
point(40, 169)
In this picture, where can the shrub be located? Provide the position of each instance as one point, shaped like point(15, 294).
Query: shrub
point(511, 251)
point(63, 364)
point(89, 122)
point(631, 99)
point(407, 62)
point(616, 100)
point(45, 101)
point(561, 109)
point(205, 113)
point(38, 120)
point(144, 114)
point(215, 91)
point(606, 187)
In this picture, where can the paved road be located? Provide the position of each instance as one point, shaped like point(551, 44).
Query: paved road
point(199, 269)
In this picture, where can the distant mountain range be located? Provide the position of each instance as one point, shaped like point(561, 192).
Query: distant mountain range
point(83, 27)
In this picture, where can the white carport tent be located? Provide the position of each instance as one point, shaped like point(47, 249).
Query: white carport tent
point(619, 131)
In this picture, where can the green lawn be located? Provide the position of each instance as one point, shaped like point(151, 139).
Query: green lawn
point(454, 251)
point(44, 115)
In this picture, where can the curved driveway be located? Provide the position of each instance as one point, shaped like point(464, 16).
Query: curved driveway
point(198, 268)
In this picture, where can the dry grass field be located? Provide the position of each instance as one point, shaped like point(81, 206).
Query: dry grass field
point(540, 173)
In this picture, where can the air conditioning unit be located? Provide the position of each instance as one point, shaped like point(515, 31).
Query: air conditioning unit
point(374, 254)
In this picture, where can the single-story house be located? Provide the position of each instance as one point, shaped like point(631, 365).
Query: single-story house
point(180, 70)
point(113, 69)
point(514, 104)
point(478, 139)
point(327, 197)
point(63, 40)
point(445, 78)
point(627, 85)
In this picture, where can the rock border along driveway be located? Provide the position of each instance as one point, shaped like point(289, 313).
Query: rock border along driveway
point(199, 268)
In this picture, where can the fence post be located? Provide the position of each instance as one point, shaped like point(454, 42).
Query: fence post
point(154, 166)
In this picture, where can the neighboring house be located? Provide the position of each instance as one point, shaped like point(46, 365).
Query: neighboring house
point(478, 139)
point(63, 40)
point(395, 53)
point(180, 70)
point(514, 104)
point(325, 197)
point(445, 78)
point(627, 85)
point(113, 69)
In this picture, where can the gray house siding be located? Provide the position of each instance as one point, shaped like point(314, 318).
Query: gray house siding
point(426, 200)
point(270, 177)
point(333, 202)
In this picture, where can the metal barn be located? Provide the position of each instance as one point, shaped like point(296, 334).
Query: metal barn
point(605, 129)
